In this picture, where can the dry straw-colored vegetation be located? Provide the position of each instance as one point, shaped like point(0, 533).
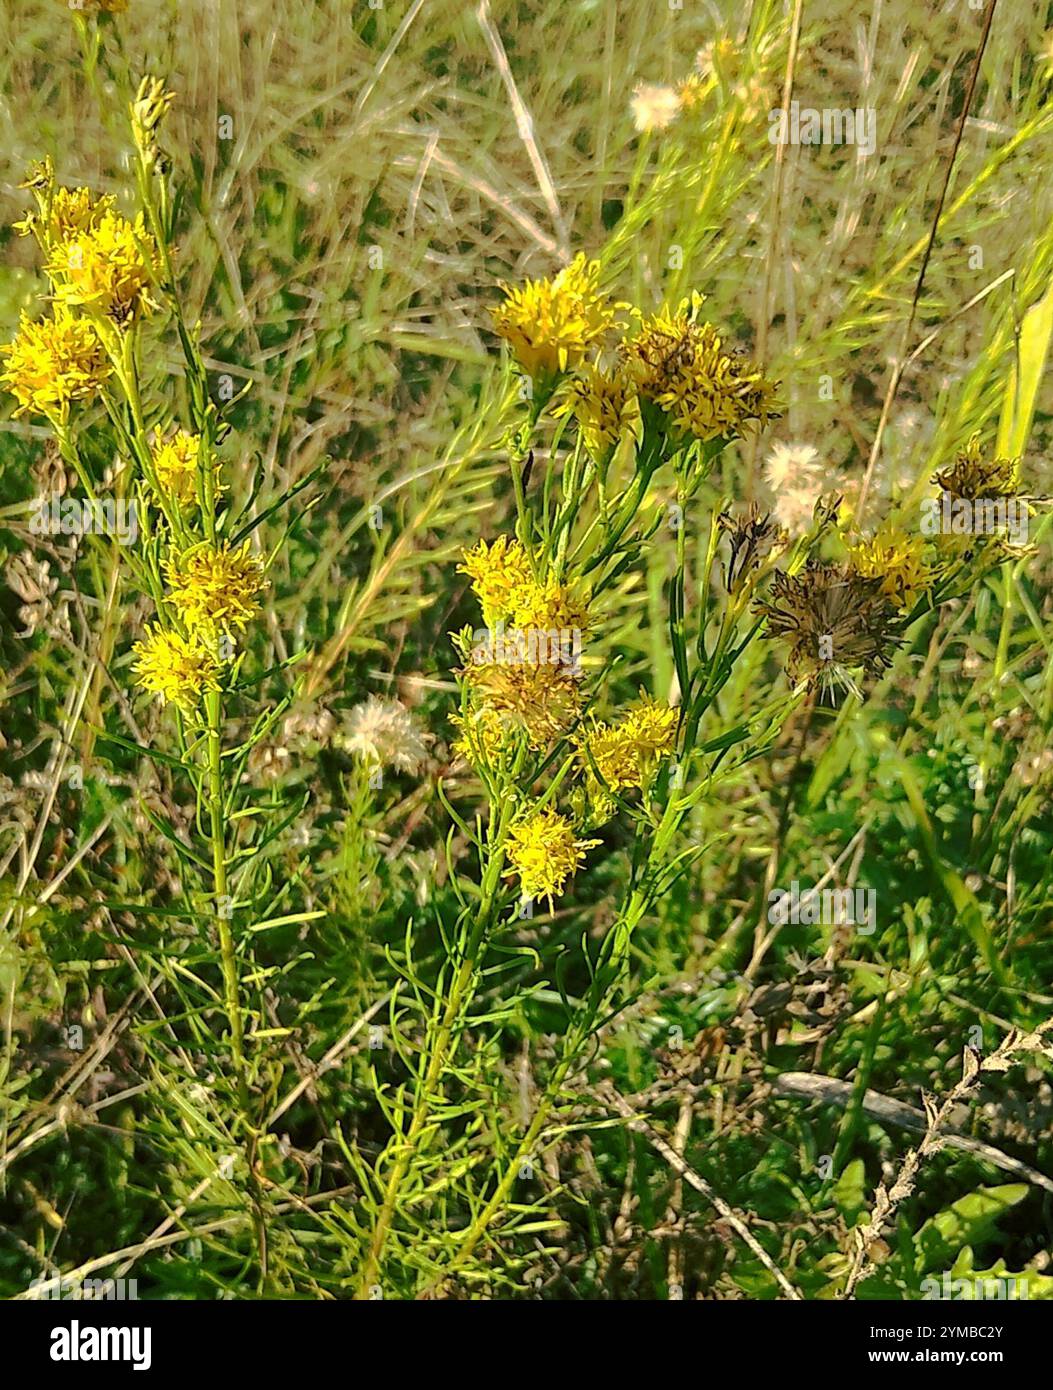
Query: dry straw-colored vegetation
point(524, 464)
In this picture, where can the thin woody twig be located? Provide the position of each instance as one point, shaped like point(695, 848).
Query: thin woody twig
point(888, 1199)
point(617, 1102)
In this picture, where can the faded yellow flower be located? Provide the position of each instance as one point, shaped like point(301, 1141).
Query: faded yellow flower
point(972, 476)
point(683, 366)
point(543, 698)
point(214, 588)
point(607, 410)
point(721, 55)
point(54, 362)
point(179, 669)
point(551, 325)
point(897, 560)
point(544, 854)
point(692, 92)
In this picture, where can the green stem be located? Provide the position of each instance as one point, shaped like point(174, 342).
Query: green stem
point(460, 992)
point(229, 963)
point(217, 834)
point(575, 1041)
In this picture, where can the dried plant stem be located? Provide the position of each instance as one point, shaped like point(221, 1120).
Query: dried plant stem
point(638, 1125)
point(888, 1199)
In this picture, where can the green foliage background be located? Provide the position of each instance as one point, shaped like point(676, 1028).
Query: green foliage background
point(341, 249)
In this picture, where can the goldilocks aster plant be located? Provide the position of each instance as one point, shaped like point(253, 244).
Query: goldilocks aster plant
point(112, 283)
point(629, 432)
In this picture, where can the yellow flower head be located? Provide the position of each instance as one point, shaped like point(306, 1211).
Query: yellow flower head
point(548, 607)
point(607, 410)
point(64, 212)
point(177, 668)
point(497, 572)
point(552, 324)
point(605, 746)
point(650, 729)
point(214, 587)
point(175, 464)
point(544, 854)
point(626, 754)
point(972, 476)
point(543, 698)
point(485, 736)
point(692, 92)
point(897, 560)
point(108, 268)
point(683, 367)
point(53, 362)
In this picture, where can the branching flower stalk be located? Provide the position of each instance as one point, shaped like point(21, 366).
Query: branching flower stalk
point(438, 1047)
point(526, 718)
point(553, 772)
point(109, 276)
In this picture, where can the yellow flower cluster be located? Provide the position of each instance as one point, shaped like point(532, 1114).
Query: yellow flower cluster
point(179, 669)
point(64, 212)
point(175, 461)
point(548, 606)
point(214, 588)
point(551, 325)
point(626, 754)
point(607, 409)
point(895, 558)
point(99, 264)
point(497, 572)
point(544, 853)
point(682, 365)
point(52, 363)
point(526, 673)
point(694, 383)
point(107, 267)
point(535, 694)
point(504, 583)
